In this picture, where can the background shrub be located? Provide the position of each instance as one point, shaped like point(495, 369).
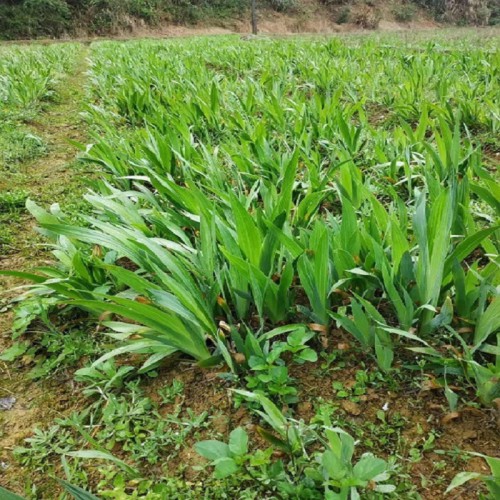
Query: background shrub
point(343, 15)
point(54, 18)
point(367, 17)
point(404, 13)
point(282, 5)
point(494, 6)
point(34, 18)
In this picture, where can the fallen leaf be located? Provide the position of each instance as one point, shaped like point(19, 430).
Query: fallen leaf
point(324, 341)
point(430, 384)
point(317, 327)
point(224, 326)
point(435, 406)
point(105, 316)
point(351, 407)
point(469, 435)
point(449, 417)
point(343, 346)
point(239, 358)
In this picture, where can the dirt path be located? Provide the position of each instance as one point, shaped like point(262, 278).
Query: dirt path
point(48, 179)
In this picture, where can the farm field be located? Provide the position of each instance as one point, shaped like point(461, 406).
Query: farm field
point(251, 268)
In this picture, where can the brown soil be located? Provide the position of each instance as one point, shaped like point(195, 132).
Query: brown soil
point(423, 409)
point(420, 407)
point(418, 404)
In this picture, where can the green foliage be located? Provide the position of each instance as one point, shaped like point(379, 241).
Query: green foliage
point(344, 15)
point(405, 12)
point(34, 18)
point(29, 77)
point(76, 492)
point(255, 222)
point(492, 481)
point(494, 8)
point(327, 472)
point(8, 495)
point(17, 146)
point(253, 199)
point(262, 360)
point(125, 419)
point(283, 5)
point(11, 201)
point(54, 18)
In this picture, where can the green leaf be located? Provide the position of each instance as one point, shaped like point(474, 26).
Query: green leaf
point(26, 276)
point(385, 488)
point(308, 355)
point(271, 413)
point(76, 492)
point(488, 322)
point(238, 442)
point(282, 329)
point(249, 237)
point(143, 347)
point(101, 455)
point(369, 466)
point(333, 465)
point(225, 467)
point(212, 449)
point(383, 349)
point(8, 495)
point(171, 329)
point(461, 478)
point(14, 351)
point(439, 242)
point(278, 443)
point(466, 247)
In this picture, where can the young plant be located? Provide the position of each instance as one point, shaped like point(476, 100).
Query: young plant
point(491, 481)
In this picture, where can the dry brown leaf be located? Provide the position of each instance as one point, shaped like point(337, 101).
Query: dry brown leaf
point(351, 407)
point(449, 417)
point(317, 327)
point(224, 326)
point(105, 316)
point(97, 251)
point(470, 434)
point(324, 341)
point(430, 384)
point(239, 358)
point(434, 406)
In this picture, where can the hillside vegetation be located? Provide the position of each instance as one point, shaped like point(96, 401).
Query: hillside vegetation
point(57, 18)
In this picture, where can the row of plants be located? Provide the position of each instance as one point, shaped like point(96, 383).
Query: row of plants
point(28, 78)
point(255, 213)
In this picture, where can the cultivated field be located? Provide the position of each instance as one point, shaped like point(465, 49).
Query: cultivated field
point(261, 268)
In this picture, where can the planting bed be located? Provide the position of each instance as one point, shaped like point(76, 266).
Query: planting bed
point(261, 268)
